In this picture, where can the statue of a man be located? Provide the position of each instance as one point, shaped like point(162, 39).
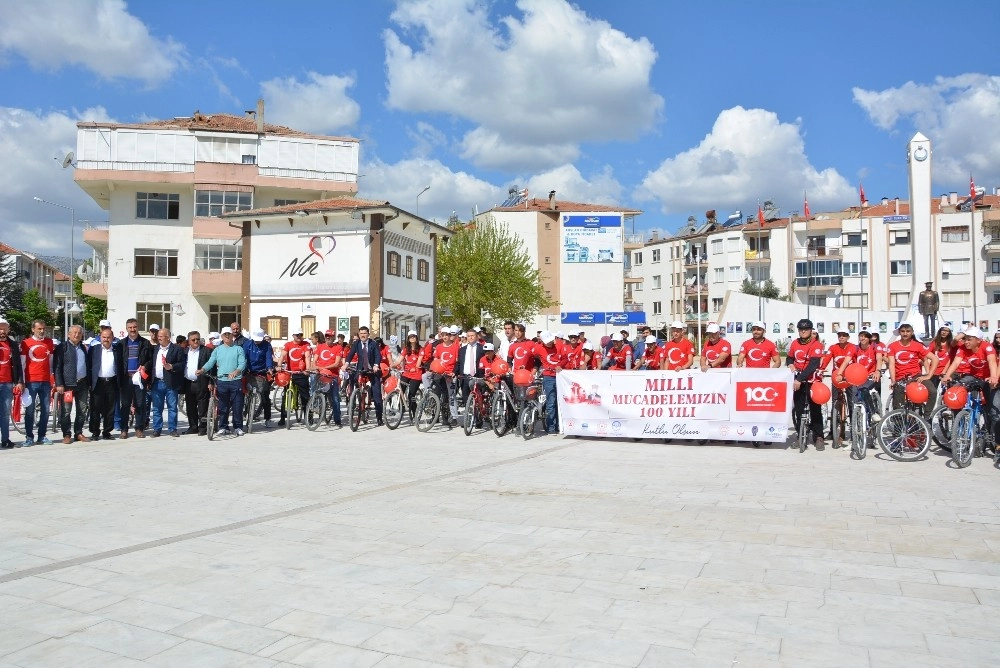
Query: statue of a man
point(928, 304)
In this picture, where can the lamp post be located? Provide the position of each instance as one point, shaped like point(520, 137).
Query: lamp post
point(809, 280)
point(418, 199)
point(72, 251)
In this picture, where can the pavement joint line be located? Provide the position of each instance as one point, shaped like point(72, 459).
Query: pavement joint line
point(211, 531)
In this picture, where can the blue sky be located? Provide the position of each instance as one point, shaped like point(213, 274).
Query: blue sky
point(671, 107)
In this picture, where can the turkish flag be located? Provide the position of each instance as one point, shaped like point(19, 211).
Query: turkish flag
point(861, 192)
point(760, 216)
point(972, 189)
point(805, 205)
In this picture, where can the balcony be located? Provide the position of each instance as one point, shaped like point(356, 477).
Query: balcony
point(695, 317)
point(757, 256)
point(818, 282)
point(97, 287)
point(213, 282)
point(633, 307)
point(817, 253)
point(696, 289)
point(632, 275)
point(96, 237)
point(633, 241)
point(691, 261)
point(992, 279)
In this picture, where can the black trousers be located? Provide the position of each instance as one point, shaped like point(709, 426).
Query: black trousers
point(132, 396)
point(81, 398)
point(196, 398)
point(263, 386)
point(411, 393)
point(802, 400)
point(103, 399)
point(300, 381)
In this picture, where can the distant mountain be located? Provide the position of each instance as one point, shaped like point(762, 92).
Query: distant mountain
point(63, 264)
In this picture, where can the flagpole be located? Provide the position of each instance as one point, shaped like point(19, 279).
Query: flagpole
point(760, 296)
point(972, 240)
point(864, 293)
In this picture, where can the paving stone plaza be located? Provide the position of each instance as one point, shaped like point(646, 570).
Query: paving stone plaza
point(389, 549)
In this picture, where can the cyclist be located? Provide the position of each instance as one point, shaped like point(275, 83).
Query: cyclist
point(758, 352)
point(552, 361)
point(716, 353)
point(804, 356)
point(943, 348)
point(328, 356)
point(446, 353)
point(976, 362)
point(651, 357)
point(260, 365)
point(519, 352)
point(369, 359)
point(619, 358)
point(864, 354)
point(298, 358)
point(677, 353)
point(906, 357)
point(840, 352)
point(411, 364)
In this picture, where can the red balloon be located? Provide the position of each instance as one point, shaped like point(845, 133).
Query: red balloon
point(391, 384)
point(282, 378)
point(917, 392)
point(436, 366)
point(955, 397)
point(499, 367)
point(856, 374)
point(819, 393)
point(523, 377)
point(840, 383)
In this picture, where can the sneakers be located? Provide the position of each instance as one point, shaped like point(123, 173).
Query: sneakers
point(820, 444)
point(222, 432)
point(267, 424)
point(43, 441)
point(28, 442)
point(238, 432)
point(281, 422)
point(175, 433)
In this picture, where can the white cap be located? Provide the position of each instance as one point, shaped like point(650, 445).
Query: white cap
point(588, 345)
point(226, 330)
point(216, 341)
point(258, 335)
point(560, 335)
point(412, 333)
point(972, 330)
point(477, 329)
point(3, 320)
point(455, 329)
point(677, 324)
point(617, 336)
point(152, 327)
point(104, 323)
point(904, 324)
point(297, 330)
point(213, 335)
point(756, 324)
point(712, 329)
point(650, 339)
point(488, 347)
point(548, 337)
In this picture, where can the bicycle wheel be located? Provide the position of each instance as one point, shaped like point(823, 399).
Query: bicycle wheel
point(353, 410)
point(804, 433)
point(249, 409)
point(859, 431)
point(498, 413)
point(470, 414)
point(904, 436)
point(315, 411)
point(366, 403)
point(55, 410)
point(962, 439)
point(210, 417)
point(428, 411)
point(526, 421)
point(838, 420)
point(290, 400)
point(392, 409)
point(941, 422)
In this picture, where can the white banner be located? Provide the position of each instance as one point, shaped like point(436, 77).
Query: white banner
point(723, 404)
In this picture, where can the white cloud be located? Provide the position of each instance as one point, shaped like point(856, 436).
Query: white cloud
point(425, 139)
point(570, 184)
point(99, 35)
point(320, 104)
point(594, 85)
point(28, 143)
point(748, 155)
point(959, 114)
point(450, 191)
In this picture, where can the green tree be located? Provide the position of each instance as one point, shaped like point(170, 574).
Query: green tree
point(94, 310)
point(33, 307)
point(769, 290)
point(484, 269)
point(11, 287)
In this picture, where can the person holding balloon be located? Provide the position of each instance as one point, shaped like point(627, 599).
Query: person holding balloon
point(804, 356)
point(861, 370)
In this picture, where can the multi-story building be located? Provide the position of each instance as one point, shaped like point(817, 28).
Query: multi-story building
point(166, 256)
point(36, 274)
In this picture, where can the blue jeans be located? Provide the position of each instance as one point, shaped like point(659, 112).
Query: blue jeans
point(39, 391)
point(551, 407)
point(230, 395)
point(334, 398)
point(6, 398)
point(159, 393)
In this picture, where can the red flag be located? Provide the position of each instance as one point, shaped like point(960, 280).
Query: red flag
point(972, 189)
point(805, 205)
point(861, 191)
point(760, 216)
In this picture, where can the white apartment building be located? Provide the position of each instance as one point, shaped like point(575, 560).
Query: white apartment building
point(166, 256)
point(36, 274)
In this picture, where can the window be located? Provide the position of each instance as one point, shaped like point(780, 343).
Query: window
point(274, 326)
point(733, 244)
point(899, 299)
point(817, 300)
point(656, 255)
point(157, 206)
point(149, 314)
point(657, 308)
point(719, 276)
point(716, 246)
point(855, 269)
point(248, 159)
point(637, 287)
point(818, 268)
point(656, 282)
point(218, 256)
point(716, 304)
point(423, 270)
point(637, 258)
point(855, 239)
point(995, 266)
point(287, 202)
point(855, 301)
point(763, 242)
point(308, 324)
point(223, 315)
point(735, 274)
point(155, 262)
point(218, 202)
point(409, 266)
point(955, 266)
point(392, 263)
point(816, 242)
point(900, 267)
point(952, 234)
point(996, 297)
point(760, 274)
point(955, 299)
point(899, 237)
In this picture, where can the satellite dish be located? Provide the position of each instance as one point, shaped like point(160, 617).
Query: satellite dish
point(68, 160)
point(82, 272)
point(987, 239)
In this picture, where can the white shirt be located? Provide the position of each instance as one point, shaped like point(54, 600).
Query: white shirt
point(470, 359)
point(160, 353)
point(192, 363)
point(107, 362)
point(504, 347)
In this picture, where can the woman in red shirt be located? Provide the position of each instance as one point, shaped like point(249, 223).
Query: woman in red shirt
point(410, 363)
point(943, 347)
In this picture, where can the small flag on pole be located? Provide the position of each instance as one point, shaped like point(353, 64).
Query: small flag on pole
point(861, 192)
point(760, 216)
point(805, 205)
point(972, 189)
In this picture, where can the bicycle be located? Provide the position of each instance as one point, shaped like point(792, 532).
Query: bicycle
point(903, 434)
point(54, 411)
point(862, 425)
point(251, 402)
point(317, 406)
point(531, 402)
point(970, 436)
point(839, 415)
point(393, 401)
point(803, 420)
point(430, 405)
point(212, 412)
point(477, 406)
point(360, 402)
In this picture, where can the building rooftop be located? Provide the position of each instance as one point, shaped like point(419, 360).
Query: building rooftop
point(536, 204)
point(213, 123)
point(316, 206)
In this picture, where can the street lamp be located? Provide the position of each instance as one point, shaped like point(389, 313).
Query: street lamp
point(418, 199)
point(72, 240)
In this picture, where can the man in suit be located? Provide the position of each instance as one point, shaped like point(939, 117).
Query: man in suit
point(136, 357)
point(467, 367)
point(167, 380)
point(104, 361)
point(196, 387)
point(368, 358)
point(72, 375)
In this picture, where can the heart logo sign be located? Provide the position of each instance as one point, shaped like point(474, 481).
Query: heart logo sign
point(314, 249)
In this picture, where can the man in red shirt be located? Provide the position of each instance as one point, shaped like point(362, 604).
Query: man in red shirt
point(329, 355)
point(446, 353)
point(520, 352)
point(804, 356)
point(758, 352)
point(677, 354)
point(716, 353)
point(298, 358)
point(981, 360)
point(906, 360)
point(552, 361)
point(619, 358)
point(10, 380)
point(36, 360)
point(838, 352)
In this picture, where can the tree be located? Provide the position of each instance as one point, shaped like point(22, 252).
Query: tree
point(483, 268)
point(11, 286)
point(94, 310)
point(33, 307)
point(768, 290)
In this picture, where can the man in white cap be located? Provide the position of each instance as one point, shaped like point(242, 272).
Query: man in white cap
point(552, 362)
point(976, 360)
point(11, 379)
point(758, 352)
point(619, 358)
point(906, 359)
point(650, 358)
point(716, 353)
point(95, 340)
point(677, 354)
point(298, 358)
point(231, 361)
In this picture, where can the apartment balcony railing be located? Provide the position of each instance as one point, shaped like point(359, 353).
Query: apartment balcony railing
point(757, 256)
point(634, 306)
point(992, 279)
point(813, 253)
point(818, 281)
